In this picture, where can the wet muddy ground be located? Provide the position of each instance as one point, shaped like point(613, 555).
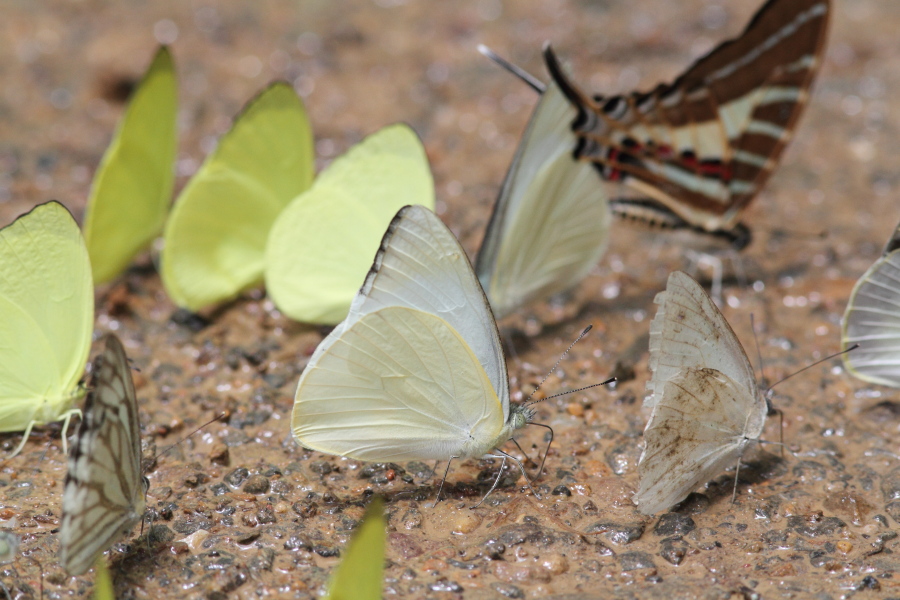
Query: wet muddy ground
point(239, 510)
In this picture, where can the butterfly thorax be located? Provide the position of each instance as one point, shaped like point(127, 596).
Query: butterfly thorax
point(519, 417)
point(52, 409)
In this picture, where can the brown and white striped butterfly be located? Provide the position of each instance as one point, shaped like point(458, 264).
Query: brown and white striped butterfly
point(105, 494)
point(698, 150)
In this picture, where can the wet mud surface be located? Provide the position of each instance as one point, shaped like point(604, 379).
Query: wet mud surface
point(240, 511)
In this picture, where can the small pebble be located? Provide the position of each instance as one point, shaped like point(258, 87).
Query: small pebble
point(555, 564)
point(465, 521)
point(575, 409)
point(194, 540)
point(256, 484)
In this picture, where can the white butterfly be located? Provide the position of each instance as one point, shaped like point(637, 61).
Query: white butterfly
point(550, 224)
point(105, 494)
point(872, 320)
point(416, 371)
point(706, 405)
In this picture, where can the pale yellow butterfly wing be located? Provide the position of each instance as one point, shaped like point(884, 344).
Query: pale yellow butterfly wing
point(215, 239)
point(46, 316)
point(132, 189)
point(322, 244)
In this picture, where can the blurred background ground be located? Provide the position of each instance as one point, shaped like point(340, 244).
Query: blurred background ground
point(241, 511)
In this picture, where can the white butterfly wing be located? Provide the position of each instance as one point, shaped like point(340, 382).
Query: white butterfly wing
point(400, 384)
point(421, 265)
point(551, 222)
point(703, 423)
point(46, 316)
point(690, 332)
point(872, 320)
point(414, 371)
point(105, 495)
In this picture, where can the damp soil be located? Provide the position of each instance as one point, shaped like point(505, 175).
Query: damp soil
point(241, 511)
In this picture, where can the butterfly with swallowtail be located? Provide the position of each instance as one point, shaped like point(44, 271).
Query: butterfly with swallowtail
point(698, 150)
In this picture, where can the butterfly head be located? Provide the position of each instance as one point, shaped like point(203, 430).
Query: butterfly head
point(520, 416)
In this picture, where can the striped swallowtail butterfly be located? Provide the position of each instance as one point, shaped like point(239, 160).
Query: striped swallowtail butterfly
point(699, 149)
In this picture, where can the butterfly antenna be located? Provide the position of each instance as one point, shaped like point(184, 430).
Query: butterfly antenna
point(829, 357)
point(528, 399)
point(532, 81)
point(581, 389)
point(223, 415)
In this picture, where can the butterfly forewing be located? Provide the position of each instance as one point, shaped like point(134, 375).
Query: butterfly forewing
point(105, 495)
point(690, 332)
point(705, 145)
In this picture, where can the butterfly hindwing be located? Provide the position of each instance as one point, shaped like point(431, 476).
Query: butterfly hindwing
point(46, 316)
point(872, 320)
point(416, 370)
point(105, 494)
point(699, 427)
point(550, 224)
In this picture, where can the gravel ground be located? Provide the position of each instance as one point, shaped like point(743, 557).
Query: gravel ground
point(239, 510)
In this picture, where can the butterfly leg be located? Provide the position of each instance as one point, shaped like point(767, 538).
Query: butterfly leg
point(441, 487)
point(65, 429)
point(525, 454)
point(499, 475)
point(737, 471)
point(25, 436)
point(503, 455)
